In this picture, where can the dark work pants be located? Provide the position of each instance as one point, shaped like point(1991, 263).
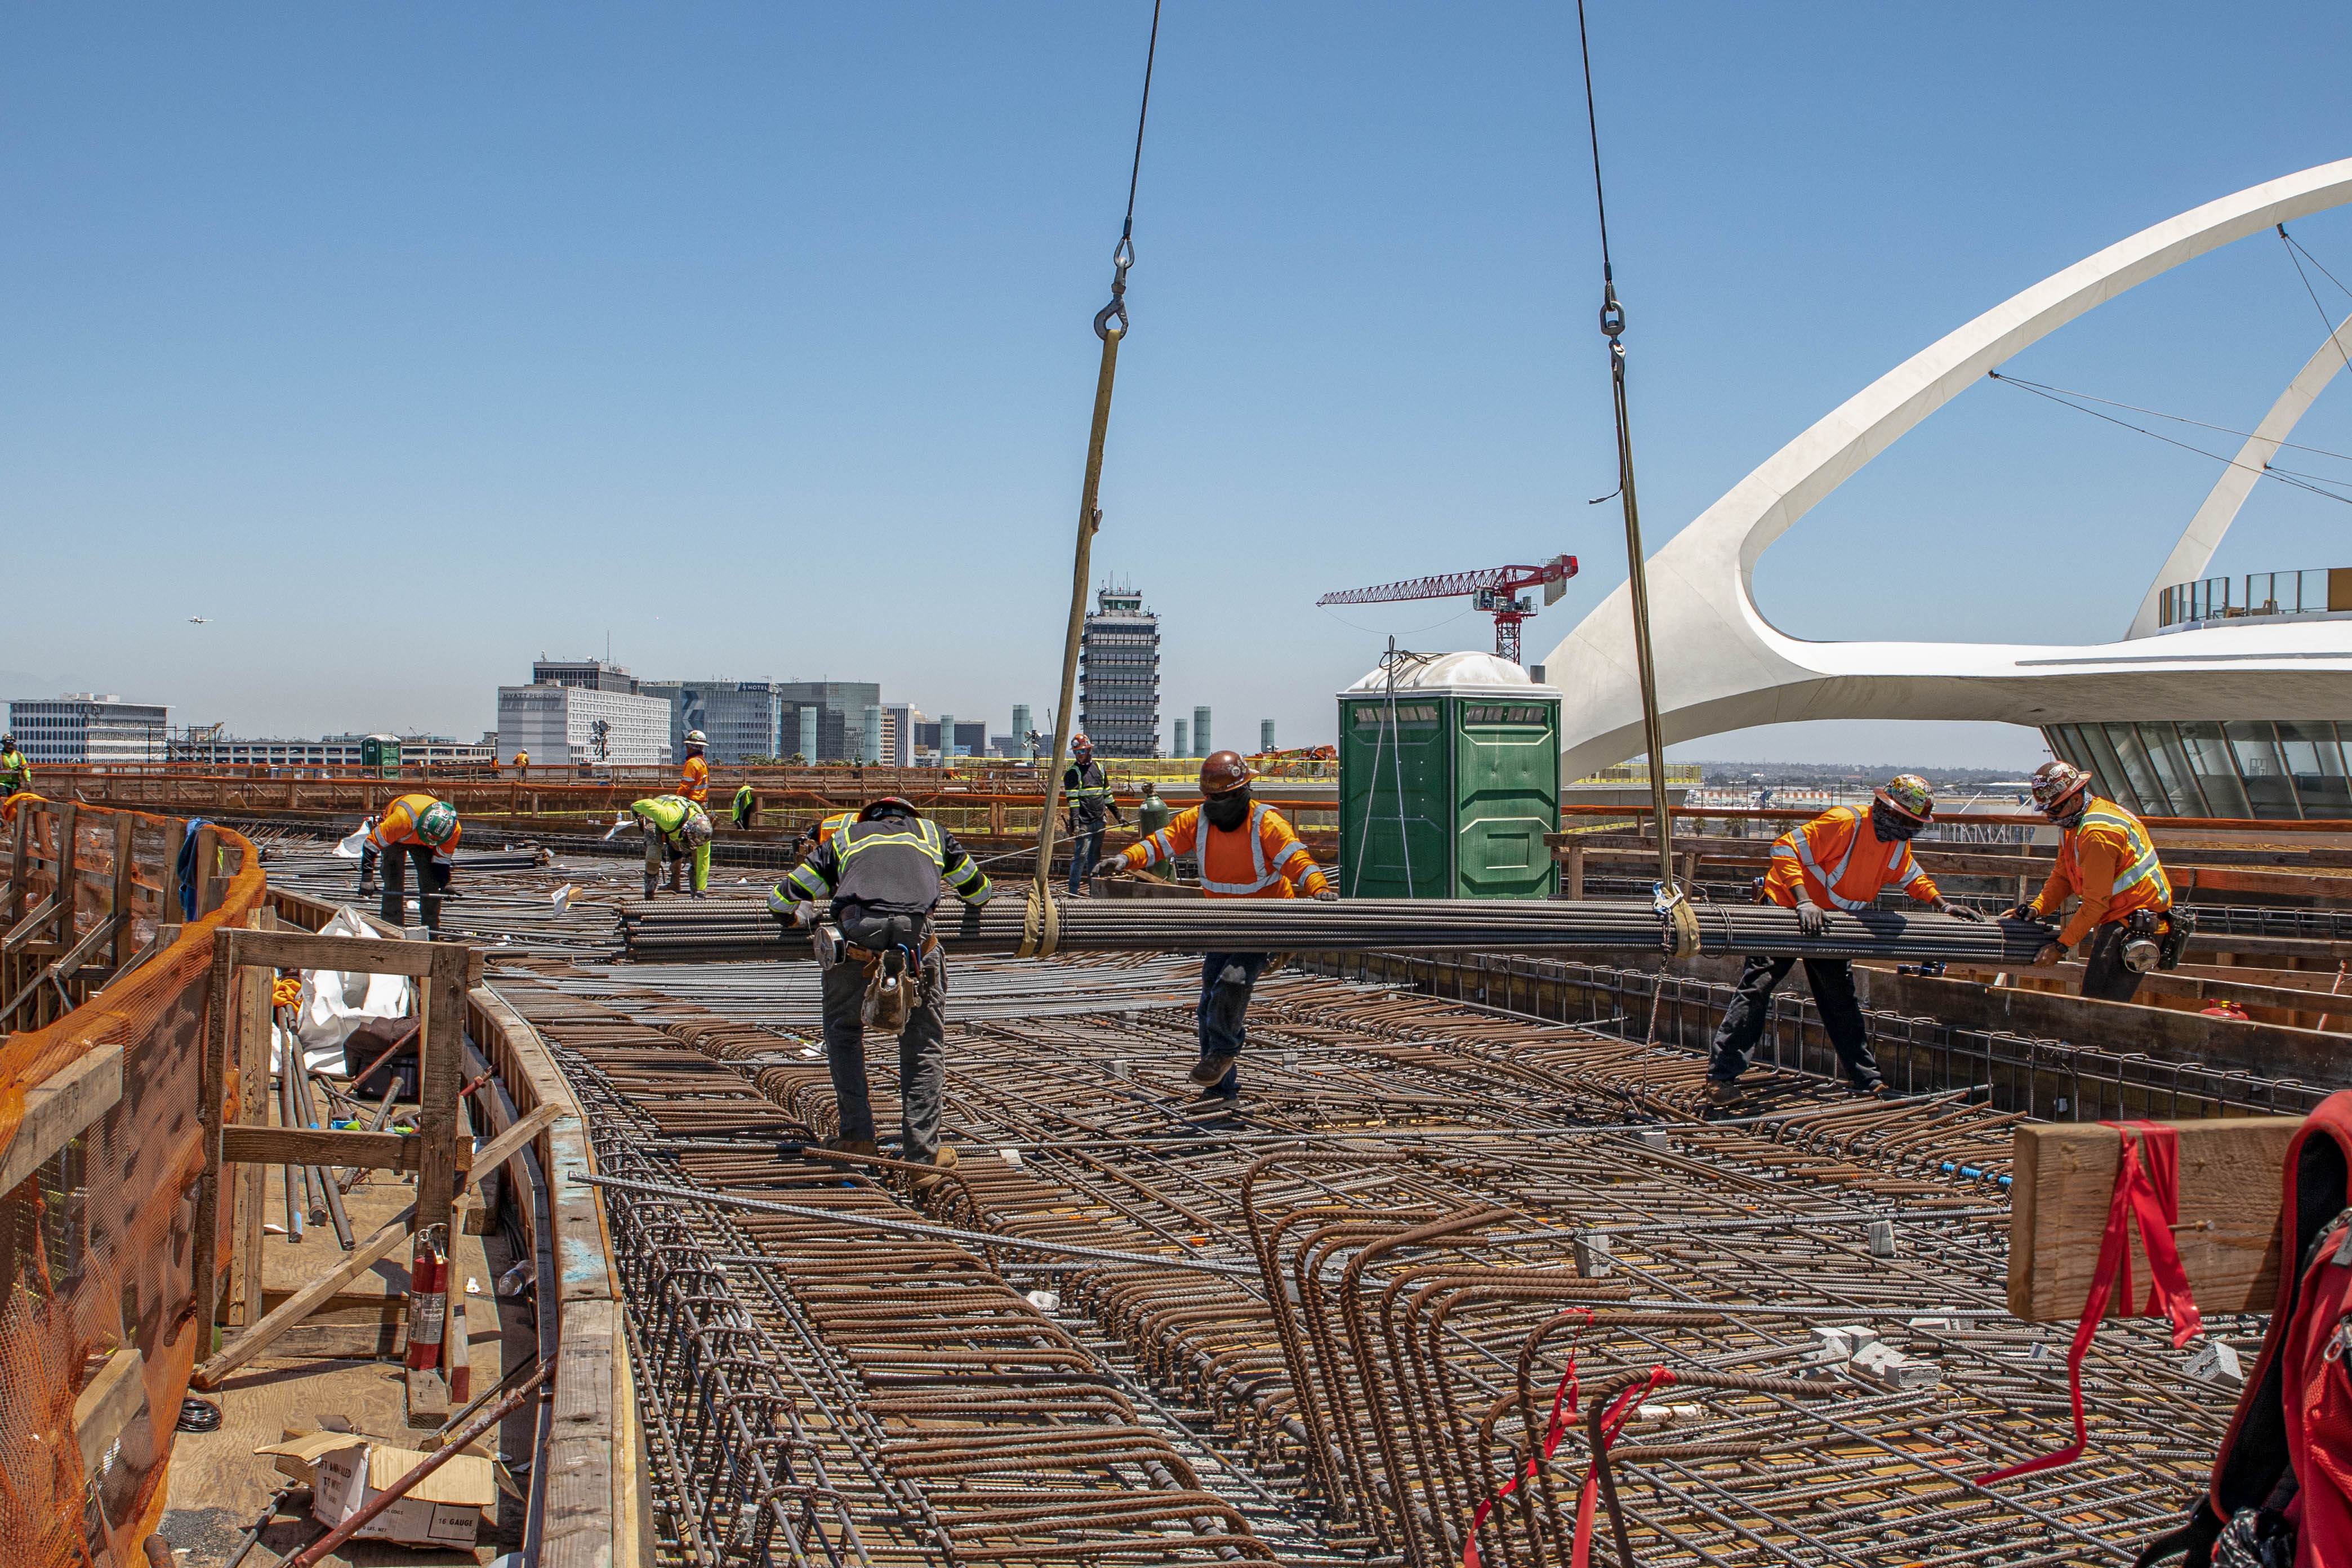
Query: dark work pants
point(1085, 849)
point(923, 1056)
point(2105, 978)
point(1831, 980)
point(1226, 981)
point(429, 882)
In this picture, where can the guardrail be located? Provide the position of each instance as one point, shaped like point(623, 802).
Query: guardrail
point(2315, 591)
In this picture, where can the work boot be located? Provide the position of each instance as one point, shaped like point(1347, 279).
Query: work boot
point(698, 893)
point(1873, 1090)
point(1209, 1070)
point(853, 1146)
point(942, 1162)
point(1719, 1092)
point(650, 879)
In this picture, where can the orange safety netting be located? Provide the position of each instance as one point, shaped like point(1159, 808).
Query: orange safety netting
point(98, 1246)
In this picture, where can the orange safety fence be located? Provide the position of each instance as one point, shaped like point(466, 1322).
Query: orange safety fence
point(98, 1243)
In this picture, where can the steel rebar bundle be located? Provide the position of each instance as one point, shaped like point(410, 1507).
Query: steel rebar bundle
point(734, 929)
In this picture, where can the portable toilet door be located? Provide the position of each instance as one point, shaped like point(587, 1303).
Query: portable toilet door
point(380, 756)
point(1449, 780)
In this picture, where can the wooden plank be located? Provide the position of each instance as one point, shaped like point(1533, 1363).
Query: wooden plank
point(213, 1078)
point(120, 892)
point(60, 1107)
point(107, 1404)
point(332, 1146)
point(252, 1110)
point(2229, 1231)
point(353, 954)
point(441, 1047)
point(206, 871)
point(175, 834)
point(361, 1258)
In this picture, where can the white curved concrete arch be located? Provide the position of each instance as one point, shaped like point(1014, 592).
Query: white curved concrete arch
point(2203, 535)
point(1723, 667)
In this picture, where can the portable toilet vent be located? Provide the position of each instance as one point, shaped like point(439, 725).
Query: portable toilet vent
point(1449, 779)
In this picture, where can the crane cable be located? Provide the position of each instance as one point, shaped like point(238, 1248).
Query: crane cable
point(1042, 922)
point(1673, 907)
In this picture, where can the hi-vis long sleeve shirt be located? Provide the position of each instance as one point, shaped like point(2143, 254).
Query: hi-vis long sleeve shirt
point(1837, 862)
point(1262, 858)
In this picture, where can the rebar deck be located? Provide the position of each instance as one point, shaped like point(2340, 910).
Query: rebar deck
point(1331, 1322)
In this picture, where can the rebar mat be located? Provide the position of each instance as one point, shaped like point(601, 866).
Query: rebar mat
point(1450, 1204)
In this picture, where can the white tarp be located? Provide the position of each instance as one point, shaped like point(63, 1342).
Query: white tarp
point(334, 1003)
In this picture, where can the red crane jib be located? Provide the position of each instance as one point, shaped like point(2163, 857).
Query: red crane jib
point(1502, 579)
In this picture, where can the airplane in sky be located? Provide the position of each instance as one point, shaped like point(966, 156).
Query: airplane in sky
point(198, 620)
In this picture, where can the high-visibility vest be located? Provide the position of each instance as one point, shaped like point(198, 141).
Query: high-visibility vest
point(1262, 858)
point(669, 813)
point(1836, 861)
point(398, 825)
point(2140, 882)
point(694, 782)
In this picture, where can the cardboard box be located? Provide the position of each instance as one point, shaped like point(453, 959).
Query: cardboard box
point(445, 1509)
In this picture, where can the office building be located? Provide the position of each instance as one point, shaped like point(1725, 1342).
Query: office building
point(88, 727)
point(592, 674)
point(577, 724)
point(1118, 675)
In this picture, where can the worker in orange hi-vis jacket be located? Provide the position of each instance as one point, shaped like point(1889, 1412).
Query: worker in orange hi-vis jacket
point(694, 778)
point(1839, 860)
point(1247, 851)
point(419, 828)
point(2108, 861)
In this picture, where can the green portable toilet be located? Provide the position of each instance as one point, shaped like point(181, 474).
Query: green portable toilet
point(1449, 779)
point(380, 755)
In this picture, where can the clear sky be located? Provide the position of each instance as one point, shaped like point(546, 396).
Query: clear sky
point(409, 342)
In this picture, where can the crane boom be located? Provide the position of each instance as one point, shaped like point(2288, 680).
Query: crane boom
point(1496, 589)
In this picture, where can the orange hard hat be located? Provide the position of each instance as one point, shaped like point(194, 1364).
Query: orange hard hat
point(1078, 743)
point(1221, 773)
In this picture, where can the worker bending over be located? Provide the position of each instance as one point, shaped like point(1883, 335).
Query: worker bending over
point(747, 806)
point(677, 830)
point(694, 779)
point(881, 874)
point(1088, 793)
point(1247, 851)
point(415, 828)
point(15, 773)
point(823, 828)
point(1839, 860)
point(2108, 861)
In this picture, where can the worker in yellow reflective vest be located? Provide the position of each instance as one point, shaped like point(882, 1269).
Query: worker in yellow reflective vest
point(1247, 851)
point(1839, 860)
point(418, 829)
point(15, 773)
point(2108, 861)
point(677, 830)
point(747, 806)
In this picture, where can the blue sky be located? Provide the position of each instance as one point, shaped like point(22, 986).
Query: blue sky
point(408, 343)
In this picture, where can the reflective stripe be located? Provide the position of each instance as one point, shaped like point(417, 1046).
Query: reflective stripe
point(925, 837)
point(1264, 879)
point(2145, 867)
point(1829, 883)
point(1157, 847)
point(809, 880)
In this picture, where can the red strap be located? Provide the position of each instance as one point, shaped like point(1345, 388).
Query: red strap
point(1611, 1423)
point(2147, 1187)
point(1564, 1395)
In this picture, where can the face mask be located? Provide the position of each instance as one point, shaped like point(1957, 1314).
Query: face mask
point(1227, 811)
point(1891, 825)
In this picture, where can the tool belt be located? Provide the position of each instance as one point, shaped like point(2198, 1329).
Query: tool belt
point(869, 938)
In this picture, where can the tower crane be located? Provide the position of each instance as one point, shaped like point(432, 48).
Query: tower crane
point(1496, 589)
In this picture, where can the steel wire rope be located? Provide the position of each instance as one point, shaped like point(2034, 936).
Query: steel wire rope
point(2294, 246)
point(1043, 922)
point(2265, 472)
point(2177, 418)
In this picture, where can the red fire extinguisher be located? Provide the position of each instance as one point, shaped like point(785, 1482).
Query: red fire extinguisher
point(428, 1301)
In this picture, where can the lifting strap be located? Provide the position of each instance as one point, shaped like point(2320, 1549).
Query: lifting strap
point(1110, 326)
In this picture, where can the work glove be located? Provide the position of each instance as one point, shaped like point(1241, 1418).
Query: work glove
point(1811, 918)
point(2019, 912)
point(1959, 912)
point(1327, 897)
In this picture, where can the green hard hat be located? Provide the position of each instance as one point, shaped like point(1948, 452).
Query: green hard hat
point(439, 823)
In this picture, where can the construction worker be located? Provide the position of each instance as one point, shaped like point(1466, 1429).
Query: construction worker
point(747, 806)
point(1151, 814)
point(15, 773)
point(2108, 861)
point(415, 828)
point(676, 830)
point(823, 828)
point(1839, 860)
point(694, 779)
point(1247, 851)
point(1088, 794)
point(880, 875)
point(522, 759)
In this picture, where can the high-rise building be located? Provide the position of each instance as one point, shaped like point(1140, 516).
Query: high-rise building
point(1118, 675)
point(1264, 735)
point(1200, 747)
point(583, 724)
point(740, 718)
point(838, 720)
point(88, 727)
point(1183, 747)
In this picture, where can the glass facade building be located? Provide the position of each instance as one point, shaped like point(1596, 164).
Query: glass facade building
point(2238, 767)
point(1118, 675)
